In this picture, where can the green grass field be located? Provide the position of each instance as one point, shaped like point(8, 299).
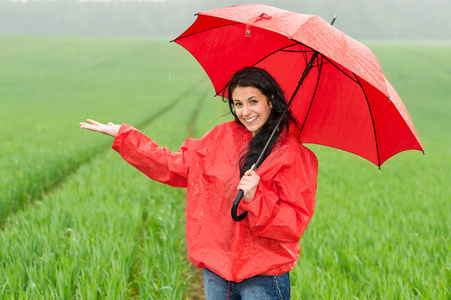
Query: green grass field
point(79, 223)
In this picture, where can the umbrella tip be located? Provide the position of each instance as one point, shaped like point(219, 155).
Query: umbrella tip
point(334, 18)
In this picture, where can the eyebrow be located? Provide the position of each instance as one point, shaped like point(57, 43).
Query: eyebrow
point(251, 97)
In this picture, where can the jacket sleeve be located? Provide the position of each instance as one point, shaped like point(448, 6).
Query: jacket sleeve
point(283, 206)
point(156, 162)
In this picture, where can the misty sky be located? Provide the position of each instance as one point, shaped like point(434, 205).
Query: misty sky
point(367, 19)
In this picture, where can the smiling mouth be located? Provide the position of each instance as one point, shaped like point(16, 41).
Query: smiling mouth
point(250, 120)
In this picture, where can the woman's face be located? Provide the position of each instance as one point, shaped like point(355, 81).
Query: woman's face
point(251, 107)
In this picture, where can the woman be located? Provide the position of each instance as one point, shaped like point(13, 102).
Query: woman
point(249, 259)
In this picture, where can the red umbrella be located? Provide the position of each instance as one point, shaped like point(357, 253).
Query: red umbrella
point(345, 102)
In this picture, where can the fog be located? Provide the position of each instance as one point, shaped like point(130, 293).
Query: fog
point(361, 19)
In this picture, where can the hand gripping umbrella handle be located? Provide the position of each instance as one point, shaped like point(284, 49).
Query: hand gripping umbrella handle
point(236, 202)
point(240, 194)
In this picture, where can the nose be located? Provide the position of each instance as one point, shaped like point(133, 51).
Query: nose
point(246, 110)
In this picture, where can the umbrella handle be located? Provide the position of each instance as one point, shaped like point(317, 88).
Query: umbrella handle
point(236, 202)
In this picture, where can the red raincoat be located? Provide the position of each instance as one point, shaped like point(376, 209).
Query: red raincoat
point(267, 240)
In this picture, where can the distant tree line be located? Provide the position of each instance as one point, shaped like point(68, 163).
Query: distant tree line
point(364, 19)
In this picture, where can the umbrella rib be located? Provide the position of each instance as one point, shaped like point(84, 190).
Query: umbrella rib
point(281, 49)
point(372, 122)
point(339, 69)
point(356, 80)
point(320, 67)
point(197, 32)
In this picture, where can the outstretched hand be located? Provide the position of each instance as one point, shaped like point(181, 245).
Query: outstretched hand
point(109, 129)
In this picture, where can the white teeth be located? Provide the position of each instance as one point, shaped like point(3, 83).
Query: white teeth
point(250, 120)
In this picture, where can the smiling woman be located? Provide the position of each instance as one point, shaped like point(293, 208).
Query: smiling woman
point(280, 199)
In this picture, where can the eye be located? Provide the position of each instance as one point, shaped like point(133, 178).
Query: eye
point(238, 104)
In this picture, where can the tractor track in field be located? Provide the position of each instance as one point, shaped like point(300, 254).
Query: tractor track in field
point(192, 122)
point(196, 288)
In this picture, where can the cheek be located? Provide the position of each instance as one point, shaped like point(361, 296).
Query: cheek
point(267, 113)
point(239, 113)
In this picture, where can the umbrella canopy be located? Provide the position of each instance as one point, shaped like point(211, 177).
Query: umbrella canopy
point(345, 102)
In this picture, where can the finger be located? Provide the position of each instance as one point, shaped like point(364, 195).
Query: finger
point(84, 125)
point(93, 122)
point(248, 179)
point(243, 185)
point(92, 125)
point(248, 185)
point(89, 127)
point(248, 194)
point(249, 173)
point(245, 190)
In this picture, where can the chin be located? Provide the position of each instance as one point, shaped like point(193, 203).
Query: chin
point(253, 130)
